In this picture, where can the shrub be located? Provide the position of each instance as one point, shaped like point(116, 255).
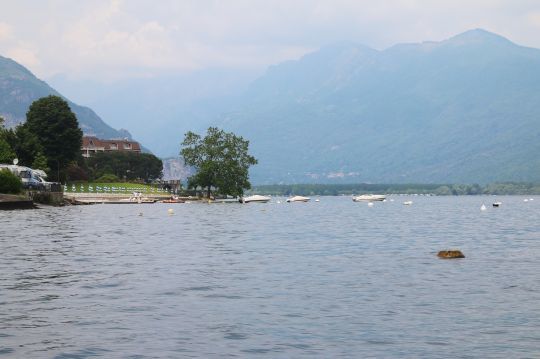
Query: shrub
point(107, 178)
point(76, 173)
point(9, 183)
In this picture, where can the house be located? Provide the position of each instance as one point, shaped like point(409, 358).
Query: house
point(91, 145)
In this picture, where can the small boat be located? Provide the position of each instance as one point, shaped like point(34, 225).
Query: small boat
point(173, 200)
point(255, 199)
point(298, 199)
point(224, 200)
point(130, 201)
point(369, 198)
point(497, 204)
point(407, 203)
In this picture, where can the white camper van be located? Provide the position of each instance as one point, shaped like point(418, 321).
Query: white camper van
point(31, 179)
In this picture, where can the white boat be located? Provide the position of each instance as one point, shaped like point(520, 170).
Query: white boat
point(256, 199)
point(369, 198)
point(407, 203)
point(298, 199)
point(497, 204)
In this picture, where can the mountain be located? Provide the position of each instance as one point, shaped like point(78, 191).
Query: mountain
point(161, 108)
point(466, 109)
point(19, 88)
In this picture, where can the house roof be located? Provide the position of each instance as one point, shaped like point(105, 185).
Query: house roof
point(90, 142)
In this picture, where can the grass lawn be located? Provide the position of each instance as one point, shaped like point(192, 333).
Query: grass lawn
point(117, 187)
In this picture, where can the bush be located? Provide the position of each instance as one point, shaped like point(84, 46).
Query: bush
point(76, 173)
point(9, 183)
point(107, 178)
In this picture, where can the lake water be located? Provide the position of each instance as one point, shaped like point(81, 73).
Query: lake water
point(327, 279)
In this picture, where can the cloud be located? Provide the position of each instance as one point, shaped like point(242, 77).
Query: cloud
point(113, 38)
point(5, 31)
point(24, 56)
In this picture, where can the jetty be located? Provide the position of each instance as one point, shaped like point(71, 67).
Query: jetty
point(12, 201)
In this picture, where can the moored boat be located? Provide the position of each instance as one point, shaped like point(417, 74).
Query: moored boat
point(172, 201)
point(369, 198)
point(255, 199)
point(298, 199)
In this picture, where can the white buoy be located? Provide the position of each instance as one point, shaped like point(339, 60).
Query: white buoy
point(317, 200)
point(525, 200)
point(370, 204)
point(170, 211)
point(278, 202)
point(408, 203)
point(531, 199)
point(483, 207)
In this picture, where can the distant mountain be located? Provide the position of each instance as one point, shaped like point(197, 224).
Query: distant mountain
point(19, 88)
point(466, 109)
point(175, 169)
point(160, 109)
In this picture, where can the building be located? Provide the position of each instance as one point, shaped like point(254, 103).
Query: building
point(93, 145)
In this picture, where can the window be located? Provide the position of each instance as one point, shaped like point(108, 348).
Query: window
point(127, 146)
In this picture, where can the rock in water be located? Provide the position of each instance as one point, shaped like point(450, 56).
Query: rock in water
point(450, 254)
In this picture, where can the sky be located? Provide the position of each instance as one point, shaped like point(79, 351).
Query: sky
point(107, 40)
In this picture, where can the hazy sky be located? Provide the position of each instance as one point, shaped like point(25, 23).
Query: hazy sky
point(109, 39)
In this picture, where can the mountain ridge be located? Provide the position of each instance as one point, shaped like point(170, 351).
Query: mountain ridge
point(426, 112)
point(19, 88)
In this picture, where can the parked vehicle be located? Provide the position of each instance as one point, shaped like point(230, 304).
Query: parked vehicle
point(30, 178)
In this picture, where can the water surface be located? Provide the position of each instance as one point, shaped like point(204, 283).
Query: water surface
point(327, 279)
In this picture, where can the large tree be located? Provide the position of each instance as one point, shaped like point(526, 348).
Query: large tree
point(221, 159)
point(128, 165)
point(51, 120)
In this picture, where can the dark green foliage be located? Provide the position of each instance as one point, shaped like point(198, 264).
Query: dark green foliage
point(40, 163)
point(74, 173)
point(26, 145)
point(9, 183)
point(221, 159)
point(54, 124)
point(125, 165)
point(107, 178)
point(6, 151)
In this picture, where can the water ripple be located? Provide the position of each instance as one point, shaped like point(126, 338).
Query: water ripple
point(328, 279)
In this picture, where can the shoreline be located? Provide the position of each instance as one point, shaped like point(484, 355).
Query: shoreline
point(14, 201)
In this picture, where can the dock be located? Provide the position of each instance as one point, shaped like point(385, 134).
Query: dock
point(12, 201)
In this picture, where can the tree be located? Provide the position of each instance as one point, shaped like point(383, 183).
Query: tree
point(26, 145)
point(6, 151)
point(55, 126)
point(128, 165)
point(9, 183)
point(221, 159)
